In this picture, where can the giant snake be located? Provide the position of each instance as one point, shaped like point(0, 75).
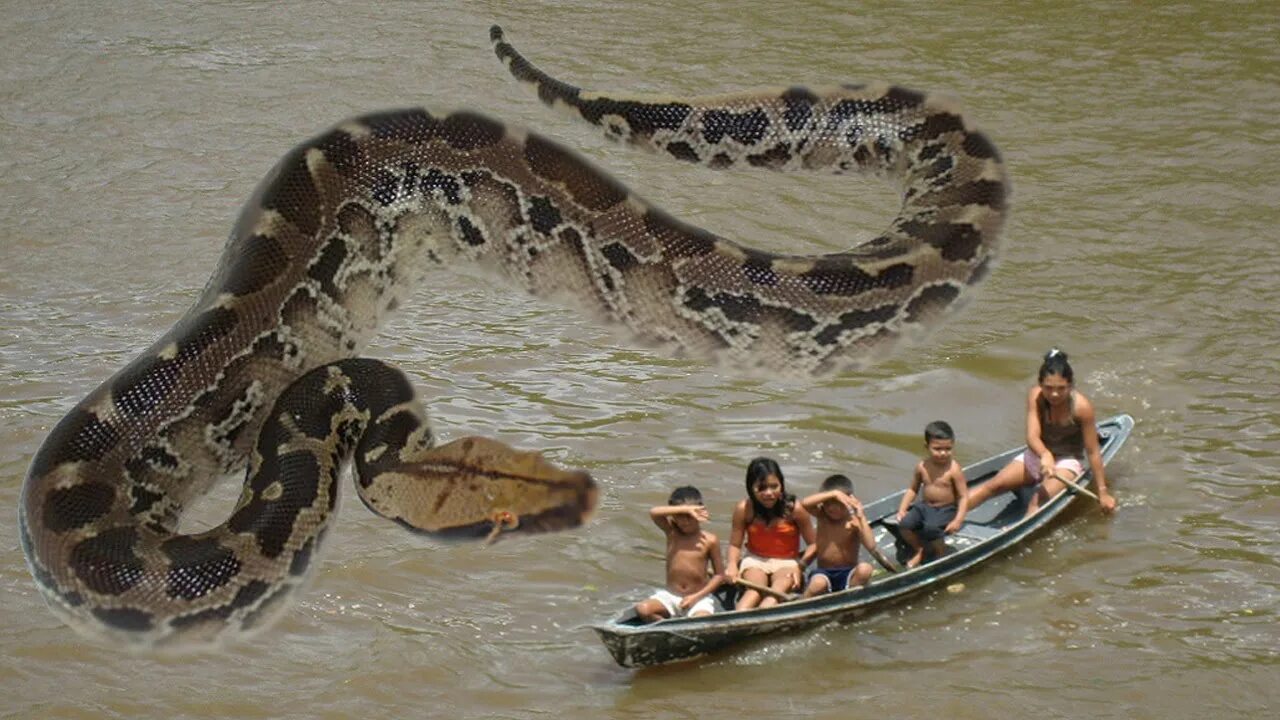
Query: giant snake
point(262, 369)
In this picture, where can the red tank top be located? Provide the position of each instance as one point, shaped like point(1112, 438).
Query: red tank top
point(780, 540)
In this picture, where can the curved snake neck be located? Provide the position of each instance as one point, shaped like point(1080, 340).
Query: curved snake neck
point(349, 221)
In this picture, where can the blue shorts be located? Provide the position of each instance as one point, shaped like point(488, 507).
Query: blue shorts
point(837, 577)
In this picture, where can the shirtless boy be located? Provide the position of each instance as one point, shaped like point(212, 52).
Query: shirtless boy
point(689, 550)
point(841, 528)
point(938, 498)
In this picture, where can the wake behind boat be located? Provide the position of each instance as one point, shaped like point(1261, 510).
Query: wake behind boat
point(992, 528)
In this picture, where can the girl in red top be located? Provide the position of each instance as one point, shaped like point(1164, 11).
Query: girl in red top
point(772, 524)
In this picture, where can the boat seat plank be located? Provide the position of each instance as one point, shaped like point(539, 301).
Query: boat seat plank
point(978, 532)
point(972, 530)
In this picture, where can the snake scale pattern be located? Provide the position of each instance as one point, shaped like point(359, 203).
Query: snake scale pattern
point(261, 372)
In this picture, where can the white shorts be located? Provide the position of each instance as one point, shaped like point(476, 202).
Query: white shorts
point(1032, 462)
point(770, 566)
point(671, 602)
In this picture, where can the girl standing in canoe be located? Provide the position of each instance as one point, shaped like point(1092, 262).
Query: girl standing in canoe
point(772, 524)
point(1061, 432)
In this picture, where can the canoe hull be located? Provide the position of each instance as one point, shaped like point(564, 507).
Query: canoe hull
point(991, 529)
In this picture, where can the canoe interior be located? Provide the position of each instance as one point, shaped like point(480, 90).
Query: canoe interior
point(997, 525)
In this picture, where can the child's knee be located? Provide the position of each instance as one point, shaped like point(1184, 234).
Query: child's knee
point(651, 609)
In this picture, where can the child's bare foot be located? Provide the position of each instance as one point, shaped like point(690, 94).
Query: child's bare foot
point(940, 549)
point(916, 559)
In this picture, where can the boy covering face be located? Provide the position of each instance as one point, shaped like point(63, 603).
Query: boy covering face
point(690, 550)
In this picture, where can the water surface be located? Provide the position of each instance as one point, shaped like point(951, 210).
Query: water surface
point(1142, 146)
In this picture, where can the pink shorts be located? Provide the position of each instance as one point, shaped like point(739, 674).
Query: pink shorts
point(1032, 462)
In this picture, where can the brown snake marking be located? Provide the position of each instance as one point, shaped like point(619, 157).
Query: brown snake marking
point(348, 222)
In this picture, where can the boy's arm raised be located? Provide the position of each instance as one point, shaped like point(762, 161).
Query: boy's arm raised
point(662, 514)
point(813, 502)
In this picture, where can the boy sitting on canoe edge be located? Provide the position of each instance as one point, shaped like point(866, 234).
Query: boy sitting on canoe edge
point(937, 499)
point(842, 526)
point(689, 550)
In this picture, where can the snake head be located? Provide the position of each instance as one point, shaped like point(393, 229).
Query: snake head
point(477, 488)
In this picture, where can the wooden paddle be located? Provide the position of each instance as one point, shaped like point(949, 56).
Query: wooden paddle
point(764, 589)
point(885, 562)
point(1076, 486)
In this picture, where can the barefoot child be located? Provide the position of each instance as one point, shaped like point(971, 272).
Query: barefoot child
point(1062, 432)
point(841, 527)
point(938, 498)
point(771, 524)
point(689, 549)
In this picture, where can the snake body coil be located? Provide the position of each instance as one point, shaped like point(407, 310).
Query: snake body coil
point(349, 221)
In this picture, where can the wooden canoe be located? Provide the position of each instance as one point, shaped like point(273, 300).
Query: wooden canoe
point(996, 526)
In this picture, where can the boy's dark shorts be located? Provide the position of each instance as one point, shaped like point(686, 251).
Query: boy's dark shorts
point(928, 521)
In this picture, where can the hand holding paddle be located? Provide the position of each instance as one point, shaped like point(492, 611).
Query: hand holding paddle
point(1108, 504)
point(764, 589)
point(1075, 486)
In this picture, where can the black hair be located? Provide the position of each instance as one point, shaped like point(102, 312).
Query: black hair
point(1055, 363)
point(685, 495)
point(758, 470)
point(838, 482)
point(938, 430)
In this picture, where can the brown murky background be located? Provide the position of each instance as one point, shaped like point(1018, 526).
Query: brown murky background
point(1143, 146)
